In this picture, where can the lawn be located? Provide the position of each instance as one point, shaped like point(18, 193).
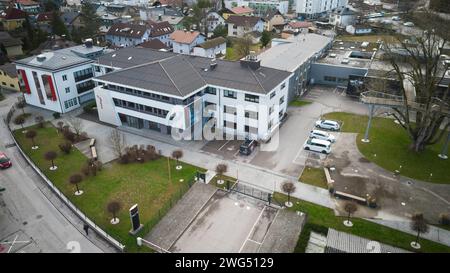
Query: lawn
point(319, 218)
point(233, 55)
point(389, 149)
point(299, 103)
point(314, 176)
point(224, 185)
point(145, 184)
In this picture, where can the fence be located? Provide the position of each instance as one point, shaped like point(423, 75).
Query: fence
point(80, 214)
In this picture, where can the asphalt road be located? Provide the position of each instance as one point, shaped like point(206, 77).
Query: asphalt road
point(28, 217)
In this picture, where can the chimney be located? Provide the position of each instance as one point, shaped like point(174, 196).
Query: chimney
point(251, 61)
point(40, 58)
point(160, 17)
point(213, 64)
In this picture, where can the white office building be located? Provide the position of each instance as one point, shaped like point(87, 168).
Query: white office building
point(167, 92)
point(60, 80)
point(315, 8)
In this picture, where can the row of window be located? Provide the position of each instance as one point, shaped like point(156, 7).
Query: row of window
point(83, 74)
point(141, 108)
point(233, 125)
point(138, 93)
point(71, 103)
point(11, 85)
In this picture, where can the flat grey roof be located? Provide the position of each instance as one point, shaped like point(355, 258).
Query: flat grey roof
point(289, 54)
point(341, 242)
point(55, 60)
point(180, 75)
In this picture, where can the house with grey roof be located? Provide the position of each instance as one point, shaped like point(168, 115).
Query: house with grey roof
point(342, 18)
point(127, 34)
point(181, 94)
point(212, 48)
point(239, 26)
point(59, 80)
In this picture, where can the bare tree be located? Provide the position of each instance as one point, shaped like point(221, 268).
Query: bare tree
point(289, 188)
point(31, 134)
point(51, 156)
point(117, 142)
point(114, 207)
point(220, 170)
point(19, 120)
point(419, 70)
point(76, 124)
point(177, 154)
point(419, 224)
point(76, 179)
point(243, 45)
point(350, 208)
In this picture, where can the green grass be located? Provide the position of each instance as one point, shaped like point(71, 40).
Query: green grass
point(146, 184)
point(233, 55)
point(299, 103)
point(225, 178)
point(319, 218)
point(389, 148)
point(314, 176)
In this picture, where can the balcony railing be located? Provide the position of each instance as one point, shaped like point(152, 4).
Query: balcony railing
point(84, 77)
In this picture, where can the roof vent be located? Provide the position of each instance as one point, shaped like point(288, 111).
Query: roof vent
point(40, 58)
point(251, 61)
point(88, 43)
point(213, 64)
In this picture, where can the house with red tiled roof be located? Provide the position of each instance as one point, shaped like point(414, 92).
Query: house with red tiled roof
point(242, 10)
point(298, 26)
point(154, 44)
point(28, 6)
point(12, 19)
point(44, 21)
point(184, 41)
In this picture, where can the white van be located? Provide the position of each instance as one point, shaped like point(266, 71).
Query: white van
point(318, 145)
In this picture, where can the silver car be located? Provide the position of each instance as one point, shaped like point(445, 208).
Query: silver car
point(318, 134)
point(328, 124)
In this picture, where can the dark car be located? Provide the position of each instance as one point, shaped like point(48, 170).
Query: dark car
point(5, 162)
point(247, 147)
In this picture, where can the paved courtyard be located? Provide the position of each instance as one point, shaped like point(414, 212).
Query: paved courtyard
point(226, 222)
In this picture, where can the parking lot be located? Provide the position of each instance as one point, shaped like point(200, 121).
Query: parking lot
point(228, 149)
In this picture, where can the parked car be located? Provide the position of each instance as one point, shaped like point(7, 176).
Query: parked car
point(318, 134)
point(408, 24)
point(328, 124)
point(5, 162)
point(395, 18)
point(247, 146)
point(317, 145)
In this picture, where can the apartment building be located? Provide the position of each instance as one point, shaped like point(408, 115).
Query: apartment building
point(316, 8)
point(60, 80)
point(168, 92)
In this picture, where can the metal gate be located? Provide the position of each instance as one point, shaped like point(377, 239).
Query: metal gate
point(250, 190)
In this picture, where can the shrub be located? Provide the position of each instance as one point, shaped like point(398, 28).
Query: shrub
point(89, 108)
point(40, 121)
point(124, 159)
point(444, 219)
point(56, 115)
point(21, 104)
point(65, 147)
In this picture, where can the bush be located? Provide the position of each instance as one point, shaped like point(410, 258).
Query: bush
point(444, 219)
point(65, 147)
point(89, 108)
point(124, 159)
point(56, 115)
point(21, 104)
point(40, 121)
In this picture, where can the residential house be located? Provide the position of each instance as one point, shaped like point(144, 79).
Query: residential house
point(109, 19)
point(72, 19)
point(13, 19)
point(342, 18)
point(12, 46)
point(238, 26)
point(28, 6)
point(273, 18)
point(4, 4)
point(163, 14)
point(214, 19)
point(212, 48)
point(358, 29)
point(125, 34)
point(317, 8)
point(59, 80)
point(155, 44)
point(184, 41)
point(263, 6)
point(168, 93)
point(161, 31)
point(8, 77)
point(298, 26)
point(44, 21)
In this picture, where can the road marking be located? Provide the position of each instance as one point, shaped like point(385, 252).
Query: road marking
point(251, 230)
point(259, 243)
point(223, 145)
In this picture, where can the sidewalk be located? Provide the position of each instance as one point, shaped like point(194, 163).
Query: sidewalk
point(435, 234)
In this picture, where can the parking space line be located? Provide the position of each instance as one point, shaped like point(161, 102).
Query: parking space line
point(251, 230)
point(223, 145)
point(254, 241)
